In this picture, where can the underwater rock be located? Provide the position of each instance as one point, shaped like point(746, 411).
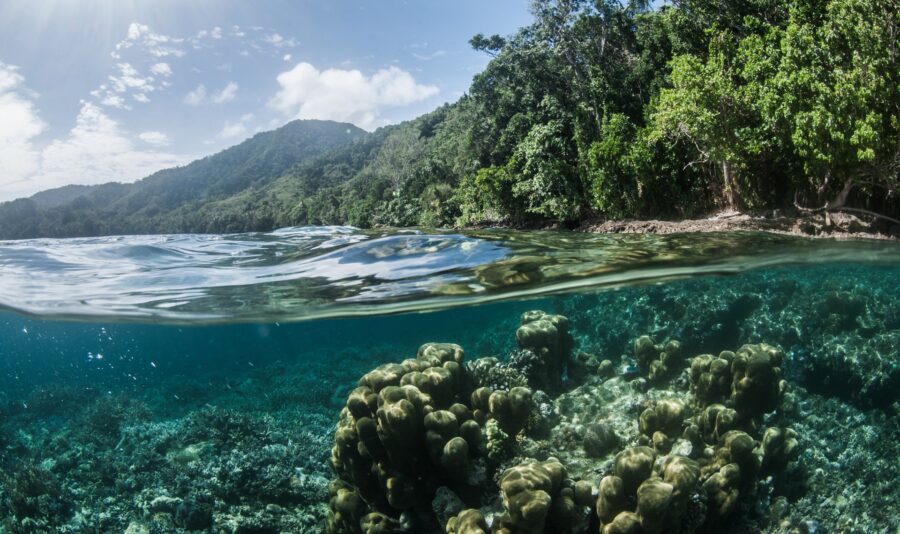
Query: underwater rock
point(194, 513)
point(599, 439)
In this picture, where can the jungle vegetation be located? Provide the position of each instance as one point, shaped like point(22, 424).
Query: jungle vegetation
point(598, 109)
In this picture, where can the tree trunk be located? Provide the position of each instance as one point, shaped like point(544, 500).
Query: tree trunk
point(731, 192)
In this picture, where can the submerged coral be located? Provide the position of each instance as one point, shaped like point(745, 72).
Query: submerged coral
point(412, 428)
point(644, 434)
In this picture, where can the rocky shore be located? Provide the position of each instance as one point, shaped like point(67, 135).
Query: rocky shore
point(836, 226)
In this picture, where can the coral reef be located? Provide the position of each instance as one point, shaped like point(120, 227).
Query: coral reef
point(838, 327)
point(657, 361)
point(583, 427)
point(436, 422)
point(423, 425)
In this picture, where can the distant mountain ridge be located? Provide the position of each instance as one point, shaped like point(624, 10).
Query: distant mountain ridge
point(144, 206)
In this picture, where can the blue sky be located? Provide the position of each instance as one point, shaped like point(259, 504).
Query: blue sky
point(93, 91)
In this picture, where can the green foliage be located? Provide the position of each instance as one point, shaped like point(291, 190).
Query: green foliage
point(546, 182)
point(487, 196)
point(838, 83)
point(613, 169)
point(597, 108)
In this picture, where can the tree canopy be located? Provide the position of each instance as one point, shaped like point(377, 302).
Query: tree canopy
point(599, 108)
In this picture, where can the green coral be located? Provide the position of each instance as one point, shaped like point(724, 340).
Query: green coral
point(402, 430)
point(412, 427)
point(536, 496)
point(657, 361)
point(548, 337)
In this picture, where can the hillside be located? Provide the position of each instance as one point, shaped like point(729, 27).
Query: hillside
point(150, 205)
point(595, 111)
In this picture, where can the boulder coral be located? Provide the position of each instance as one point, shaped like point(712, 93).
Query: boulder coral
point(538, 497)
point(657, 361)
point(547, 337)
point(405, 428)
point(412, 427)
point(645, 496)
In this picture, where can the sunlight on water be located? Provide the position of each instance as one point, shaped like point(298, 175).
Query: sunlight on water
point(309, 272)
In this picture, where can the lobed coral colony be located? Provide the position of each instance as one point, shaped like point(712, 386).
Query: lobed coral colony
point(435, 443)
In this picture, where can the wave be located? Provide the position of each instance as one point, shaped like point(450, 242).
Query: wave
point(313, 272)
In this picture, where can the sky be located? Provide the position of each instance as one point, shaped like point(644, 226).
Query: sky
point(93, 91)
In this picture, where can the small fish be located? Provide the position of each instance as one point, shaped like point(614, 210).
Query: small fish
point(153, 364)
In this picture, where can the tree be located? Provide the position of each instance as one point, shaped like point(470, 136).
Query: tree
point(706, 107)
point(838, 87)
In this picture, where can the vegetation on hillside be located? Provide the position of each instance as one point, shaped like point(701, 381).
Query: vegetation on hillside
point(597, 109)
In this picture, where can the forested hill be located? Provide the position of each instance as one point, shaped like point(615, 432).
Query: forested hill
point(597, 109)
point(157, 203)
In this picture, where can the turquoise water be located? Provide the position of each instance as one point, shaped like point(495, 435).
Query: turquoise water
point(195, 383)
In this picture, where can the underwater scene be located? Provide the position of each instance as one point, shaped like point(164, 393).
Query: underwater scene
point(342, 381)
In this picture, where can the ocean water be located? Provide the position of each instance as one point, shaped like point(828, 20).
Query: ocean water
point(196, 383)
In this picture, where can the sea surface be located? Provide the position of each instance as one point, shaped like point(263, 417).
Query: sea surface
point(194, 383)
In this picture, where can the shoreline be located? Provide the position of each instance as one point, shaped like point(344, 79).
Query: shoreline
point(842, 225)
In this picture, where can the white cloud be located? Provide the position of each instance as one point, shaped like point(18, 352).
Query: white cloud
point(226, 94)
point(429, 57)
point(96, 150)
point(216, 33)
point(155, 138)
point(346, 95)
point(197, 96)
point(287, 57)
point(156, 44)
point(20, 124)
point(278, 41)
point(129, 78)
point(161, 69)
point(231, 131)
point(237, 129)
point(114, 101)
